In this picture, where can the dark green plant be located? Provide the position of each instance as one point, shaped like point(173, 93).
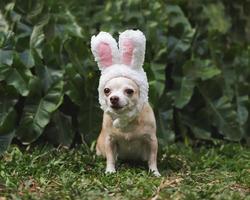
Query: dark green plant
point(197, 61)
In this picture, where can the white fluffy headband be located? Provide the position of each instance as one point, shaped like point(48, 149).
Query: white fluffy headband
point(127, 61)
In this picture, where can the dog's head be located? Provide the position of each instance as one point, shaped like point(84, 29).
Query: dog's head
point(123, 83)
point(121, 95)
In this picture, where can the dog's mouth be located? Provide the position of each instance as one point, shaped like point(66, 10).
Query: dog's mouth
point(116, 107)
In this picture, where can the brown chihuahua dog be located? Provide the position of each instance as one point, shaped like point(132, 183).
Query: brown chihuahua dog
point(129, 127)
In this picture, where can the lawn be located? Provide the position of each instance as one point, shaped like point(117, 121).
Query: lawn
point(205, 172)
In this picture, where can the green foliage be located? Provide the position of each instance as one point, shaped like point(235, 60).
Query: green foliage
point(197, 61)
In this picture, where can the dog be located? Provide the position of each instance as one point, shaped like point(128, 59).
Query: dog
point(129, 126)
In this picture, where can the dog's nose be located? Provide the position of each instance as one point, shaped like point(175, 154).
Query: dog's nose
point(114, 100)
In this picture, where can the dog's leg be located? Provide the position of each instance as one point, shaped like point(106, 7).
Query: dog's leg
point(152, 161)
point(110, 150)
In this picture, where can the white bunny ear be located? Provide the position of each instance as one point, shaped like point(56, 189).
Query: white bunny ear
point(105, 50)
point(132, 48)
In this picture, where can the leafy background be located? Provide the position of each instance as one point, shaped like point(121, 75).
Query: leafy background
point(197, 61)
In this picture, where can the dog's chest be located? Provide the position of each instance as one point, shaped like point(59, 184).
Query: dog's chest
point(131, 149)
point(132, 145)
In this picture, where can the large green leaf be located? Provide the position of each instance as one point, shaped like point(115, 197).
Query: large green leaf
point(90, 119)
point(8, 119)
point(17, 77)
point(218, 20)
point(165, 127)
point(60, 131)
point(14, 74)
point(156, 76)
point(8, 99)
point(200, 69)
point(224, 117)
point(37, 36)
point(194, 71)
point(74, 85)
point(199, 126)
point(6, 57)
point(37, 111)
point(182, 32)
point(27, 59)
point(185, 92)
point(164, 113)
point(242, 111)
point(5, 141)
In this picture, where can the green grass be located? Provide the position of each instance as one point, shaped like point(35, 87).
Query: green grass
point(207, 172)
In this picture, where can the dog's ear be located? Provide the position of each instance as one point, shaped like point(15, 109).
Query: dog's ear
point(132, 48)
point(105, 50)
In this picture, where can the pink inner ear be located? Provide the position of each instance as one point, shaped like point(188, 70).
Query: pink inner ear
point(127, 51)
point(105, 54)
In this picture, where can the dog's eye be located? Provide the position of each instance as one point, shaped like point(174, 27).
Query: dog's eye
point(106, 91)
point(129, 91)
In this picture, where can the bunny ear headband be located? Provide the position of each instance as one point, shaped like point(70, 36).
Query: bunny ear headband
point(126, 61)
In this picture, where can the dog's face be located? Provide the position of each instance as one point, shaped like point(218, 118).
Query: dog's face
point(121, 95)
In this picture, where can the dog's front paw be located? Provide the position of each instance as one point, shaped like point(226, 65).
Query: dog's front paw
point(156, 173)
point(110, 170)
